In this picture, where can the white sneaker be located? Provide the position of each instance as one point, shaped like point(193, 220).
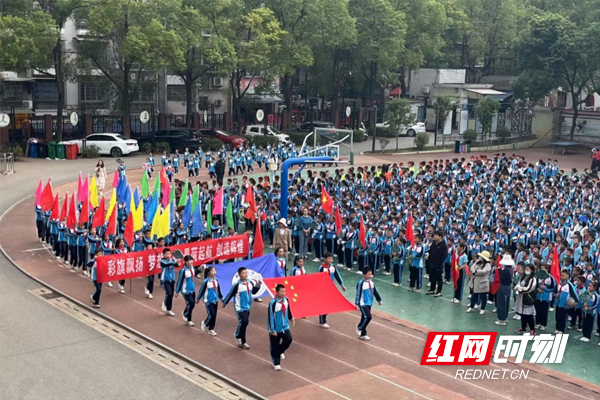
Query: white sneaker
point(358, 333)
point(121, 289)
point(146, 291)
point(469, 310)
point(469, 296)
point(296, 254)
point(96, 305)
point(395, 284)
point(150, 296)
point(542, 328)
point(282, 356)
point(551, 309)
point(109, 284)
point(584, 339)
point(75, 269)
point(477, 306)
point(456, 301)
point(277, 367)
point(537, 326)
point(170, 313)
point(203, 327)
point(58, 258)
point(357, 272)
point(426, 276)
point(495, 310)
point(237, 341)
point(517, 317)
point(246, 346)
point(325, 326)
point(316, 260)
point(212, 333)
point(557, 332)
point(190, 323)
point(418, 290)
point(364, 338)
point(183, 316)
point(86, 273)
point(259, 300)
point(501, 323)
point(596, 333)
point(437, 295)
point(490, 302)
point(481, 312)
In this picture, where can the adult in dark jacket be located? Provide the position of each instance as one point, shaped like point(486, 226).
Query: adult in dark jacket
point(438, 251)
point(504, 291)
point(220, 170)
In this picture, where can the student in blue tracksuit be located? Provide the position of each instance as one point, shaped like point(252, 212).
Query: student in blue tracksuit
point(167, 277)
point(81, 246)
point(210, 293)
point(463, 262)
point(328, 268)
point(93, 276)
point(241, 292)
point(590, 311)
point(39, 222)
point(386, 248)
point(176, 160)
point(54, 234)
point(62, 241)
point(418, 262)
point(365, 293)
point(72, 239)
point(318, 236)
point(349, 243)
point(93, 241)
point(186, 285)
point(565, 290)
point(373, 251)
point(278, 317)
point(298, 268)
point(544, 292)
point(398, 259)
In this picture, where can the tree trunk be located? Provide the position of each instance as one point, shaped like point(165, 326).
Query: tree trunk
point(60, 89)
point(575, 99)
point(235, 100)
point(402, 79)
point(189, 102)
point(287, 98)
point(126, 102)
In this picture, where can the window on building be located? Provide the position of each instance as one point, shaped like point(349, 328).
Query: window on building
point(45, 94)
point(89, 92)
point(12, 92)
point(147, 95)
point(202, 103)
point(176, 93)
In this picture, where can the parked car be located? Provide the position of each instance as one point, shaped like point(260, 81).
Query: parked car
point(259, 130)
point(231, 141)
point(305, 127)
point(112, 144)
point(178, 138)
point(412, 130)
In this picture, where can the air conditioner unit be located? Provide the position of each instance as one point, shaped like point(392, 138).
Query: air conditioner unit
point(27, 104)
point(426, 89)
point(217, 82)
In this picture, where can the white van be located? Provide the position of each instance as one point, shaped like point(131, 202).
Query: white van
point(259, 130)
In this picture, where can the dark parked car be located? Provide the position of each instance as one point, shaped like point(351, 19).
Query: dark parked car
point(231, 141)
point(305, 127)
point(178, 138)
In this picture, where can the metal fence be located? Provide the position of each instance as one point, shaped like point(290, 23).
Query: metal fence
point(175, 121)
point(107, 124)
point(138, 128)
point(7, 163)
point(23, 128)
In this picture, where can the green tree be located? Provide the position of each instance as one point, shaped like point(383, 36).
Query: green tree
point(399, 116)
point(557, 52)
point(442, 107)
point(484, 112)
point(127, 40)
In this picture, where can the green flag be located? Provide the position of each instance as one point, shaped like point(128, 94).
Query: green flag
point(195, 197)
point(184, 195)
point(145, 188)
point(156, 186)
point(172, 196)
point(209, 216)
point(229, 215)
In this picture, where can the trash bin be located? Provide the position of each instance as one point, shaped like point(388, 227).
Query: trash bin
point(467, 146)
point(61, 152)
point(71, 150)
point(462, 147)
point(33, 148)
point(52, 150)
point(457, 146)
point(42, 150)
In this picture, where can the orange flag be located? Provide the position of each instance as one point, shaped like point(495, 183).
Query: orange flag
point(338, 221)
point(72, 214)
point(84, 216)
point(128, 235)
point(65, 207)
point(249, 199)
point(112, 223)
point(326, 201)
point(99, 216)
point(362, 237)
point(55, 209)
point(555, 266)
point(410, 235)
point(258, 246)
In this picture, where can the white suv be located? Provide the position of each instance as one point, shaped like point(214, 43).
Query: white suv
point(259, 130)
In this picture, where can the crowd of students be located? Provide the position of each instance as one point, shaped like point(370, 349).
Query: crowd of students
point(484, 209)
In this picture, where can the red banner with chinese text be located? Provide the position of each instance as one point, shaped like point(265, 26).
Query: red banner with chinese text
point(143, 263)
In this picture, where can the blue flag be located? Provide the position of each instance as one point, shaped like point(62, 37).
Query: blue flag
point(122, 189)
point(172, 213)
point(127, 200)
point(136, 197)
point(258, 268)
point(187, 214)
point(197, 223)
point(152, 206)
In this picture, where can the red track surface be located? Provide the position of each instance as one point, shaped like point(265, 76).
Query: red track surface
point(321, 364)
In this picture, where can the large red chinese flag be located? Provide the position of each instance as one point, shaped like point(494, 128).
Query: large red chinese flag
point(311, 295)
point(258, 246)
point(410, 235)
point(128, 235)
point(252, 209)
point(326, 201)
point(84, 215)
point(111, 229)
point(99, 215)
point(65, 207)
point(72, 214)
point(496, 284)
point(55, 209)
point(338, 221)
point(362, 236)
point(47, 199)
point(555, 266)
point(455, 268)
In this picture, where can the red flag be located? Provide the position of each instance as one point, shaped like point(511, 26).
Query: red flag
point(311, 295)
point(217, 208)
point(410, 235)
point(38, 192)
point(99, 215)
point(65, 207)
point(115, 183)
point(455, 268)
point(72, 217)
point(84, 216)
point(555, 266)
point(47, 199)
point(258, 246)
point(326, 201)
point(338, 221)
point(252, 209)
point(128, 235)
point(79, 187)
point(84, 194)
point(496, 284)
point(112, 223)
point(55, 209)
point(362, 234)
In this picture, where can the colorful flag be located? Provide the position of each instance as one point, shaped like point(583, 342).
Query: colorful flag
point(166, 194)
point(136, 197)
point(455, 268)
point(111, 229)
point(94, 192)
point(555, 265)
point(186, 216)
point(72, 214)
point(218, 204)
point(38, 192)
point(197, 223)
point(266, 266)
point(115, 183)
point(55, 209)
point(338, 221)
point(138, 217)
point(111, 204)
point(195, 197)
point(410, 235)
point(99, 215)
point(229, 215)
point(156, 223)
point(151, 208)
point(362, 234)
point(47, 198)
point(209, 216)
point(249, 199)
point(128, 234)
point(127, 199)
point(311, 295)
point(79, 187)
point(326, 201)
point(65, 207)
point(258, 246)
point(144, 185)
point(156, 190)
point(84, 215)
point(83, 195)
point(184, 195)
point(164, 225)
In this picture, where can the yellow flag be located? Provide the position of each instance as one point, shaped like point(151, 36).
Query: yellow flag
point(138, 217)
point(156, 224)
point(111, 204)
point(165, 219)
point(93, 192)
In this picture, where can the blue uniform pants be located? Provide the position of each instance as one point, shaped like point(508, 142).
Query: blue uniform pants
point(365, 318)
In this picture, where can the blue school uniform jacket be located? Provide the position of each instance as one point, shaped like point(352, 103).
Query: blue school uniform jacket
point(210, 291)
point(241, 293)
point(418, 253)
point(550, 286)
point(279, 315)
point(186, 282)
point(167, 270)
point(91, 264)
point(334, 274)
point(365, 292)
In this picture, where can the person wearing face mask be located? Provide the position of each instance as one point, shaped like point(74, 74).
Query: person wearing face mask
point(524, 304)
